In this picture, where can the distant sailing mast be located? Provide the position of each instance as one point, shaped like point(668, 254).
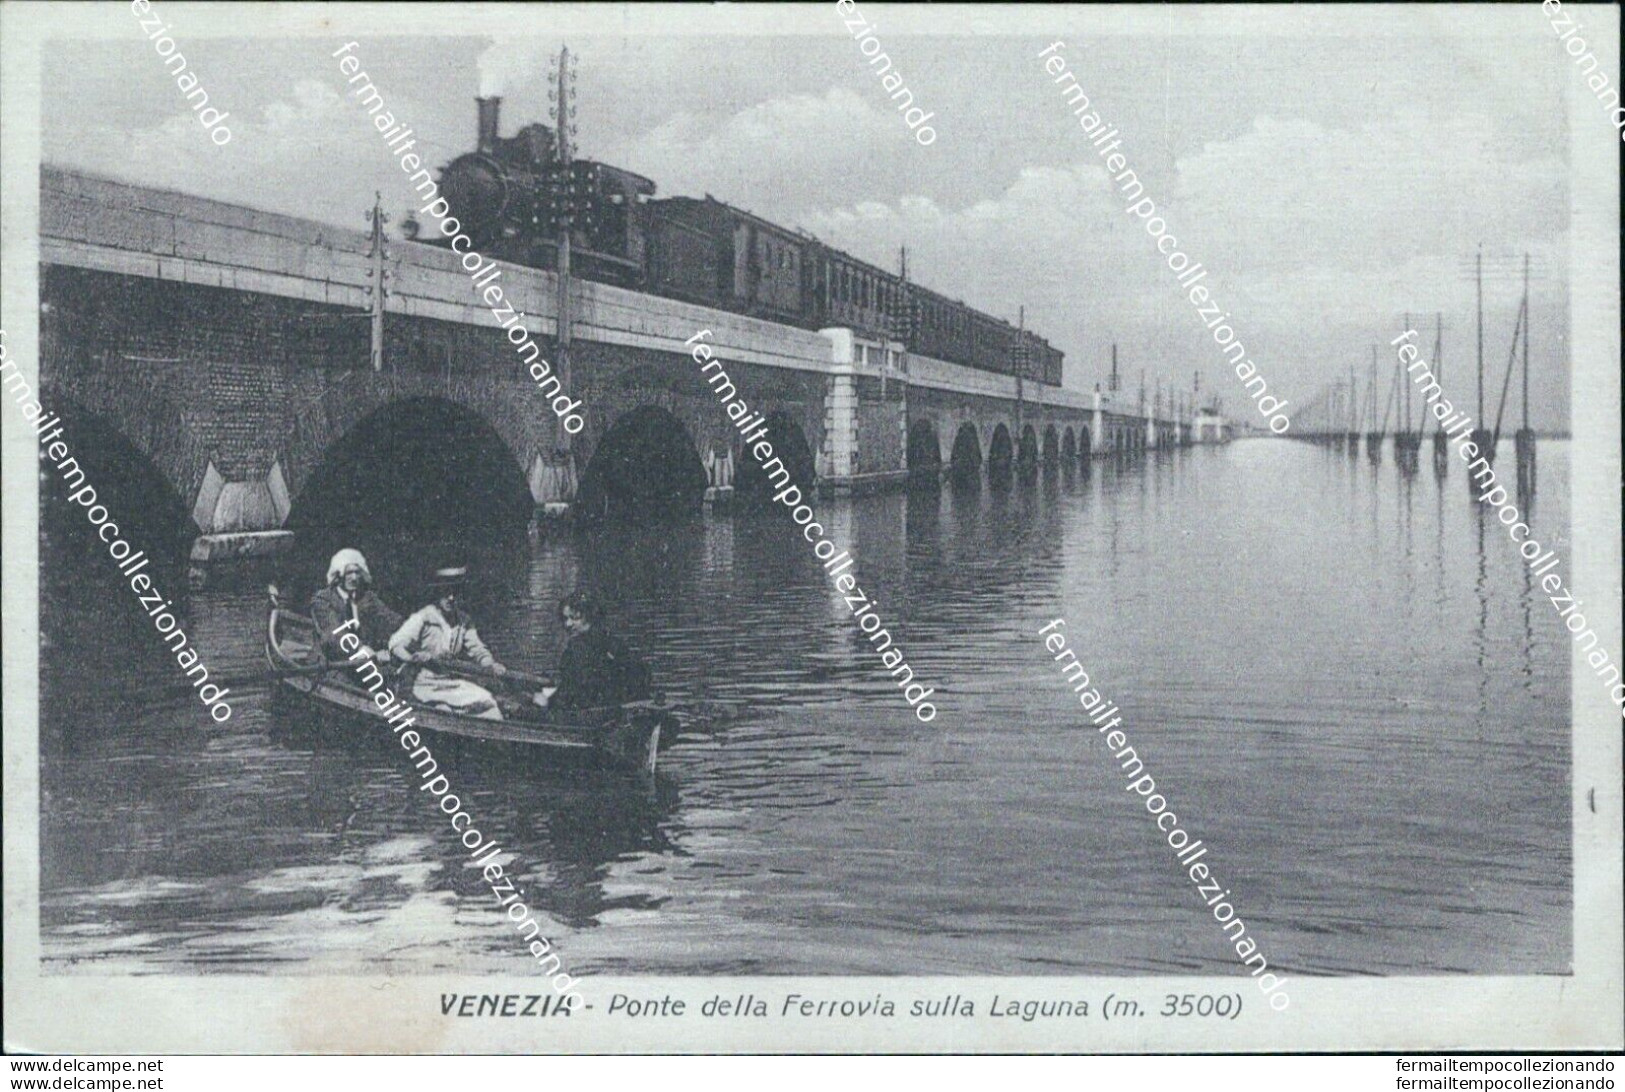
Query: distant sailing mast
point(1525, 438)
point(1522, 327)
point(1485, 436)
point(1388, 408)
point(1352, 427)
point(1406, 442)
point(1480, 436)
point(1441, 452)
point(1373, 438)
point(562, 112)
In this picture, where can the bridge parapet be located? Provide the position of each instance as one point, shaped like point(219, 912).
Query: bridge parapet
point(943, 375)
point(97, 223)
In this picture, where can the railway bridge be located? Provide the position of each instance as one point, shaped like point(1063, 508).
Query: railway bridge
point(230, 352)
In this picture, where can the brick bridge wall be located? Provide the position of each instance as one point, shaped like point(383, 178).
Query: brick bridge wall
point(221, 388)
point(231, 347)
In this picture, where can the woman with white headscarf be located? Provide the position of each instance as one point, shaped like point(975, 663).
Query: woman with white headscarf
point(348, 597)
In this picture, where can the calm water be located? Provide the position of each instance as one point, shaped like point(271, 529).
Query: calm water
point(1345, 684)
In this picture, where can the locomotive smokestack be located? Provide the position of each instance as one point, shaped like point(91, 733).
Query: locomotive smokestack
point(490, 113)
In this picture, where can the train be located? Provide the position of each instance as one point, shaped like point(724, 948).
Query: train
point(511, 197)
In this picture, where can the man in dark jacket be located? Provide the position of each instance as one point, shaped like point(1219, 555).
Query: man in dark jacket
point(348, 596)
point(596, 668)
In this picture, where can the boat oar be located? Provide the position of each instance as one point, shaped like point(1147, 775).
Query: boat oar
point(259, 678)
point(475, 671)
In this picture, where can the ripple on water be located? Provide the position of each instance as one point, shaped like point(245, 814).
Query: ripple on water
point(1354, 697)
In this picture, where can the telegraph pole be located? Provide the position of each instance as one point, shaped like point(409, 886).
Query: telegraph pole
point(1351, 426)
point(898, 325)
point(563, 112)
point(909, 319)
point(1527, 315)
point(1441, 459)
point(377, 217)
point(1020, 364)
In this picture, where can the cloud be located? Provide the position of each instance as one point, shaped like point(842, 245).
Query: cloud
point(273, 162)
point(1038, 244)
point(1282, 192)
point(1316, 240)
point(313, 152)
point(784, 152)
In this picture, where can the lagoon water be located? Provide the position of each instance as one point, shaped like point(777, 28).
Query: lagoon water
point(1345, 683)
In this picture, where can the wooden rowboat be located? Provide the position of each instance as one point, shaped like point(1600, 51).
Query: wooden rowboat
point(624, 735)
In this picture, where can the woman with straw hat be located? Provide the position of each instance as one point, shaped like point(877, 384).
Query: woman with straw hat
point(442, 633)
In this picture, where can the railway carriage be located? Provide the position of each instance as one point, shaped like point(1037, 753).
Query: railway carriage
point(755, 266)
point(510, 196)
point(846, 291)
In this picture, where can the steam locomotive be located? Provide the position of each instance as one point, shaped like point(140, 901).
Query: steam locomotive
point(511, 197)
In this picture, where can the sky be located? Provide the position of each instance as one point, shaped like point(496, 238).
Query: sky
point(1328, 182)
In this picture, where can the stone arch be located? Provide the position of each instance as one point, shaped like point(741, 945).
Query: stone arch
point(1027, 455)
point(924, 450)
point(1086, 446)
point(90, 625)
point(793, 453)
point(150, 423)
point(1000, 450)
point(966, 457)
point(140, 497)
point(1052, 446)
point(645, 464)
point(414, 463)
point(1069, 445)
point(321, 419)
